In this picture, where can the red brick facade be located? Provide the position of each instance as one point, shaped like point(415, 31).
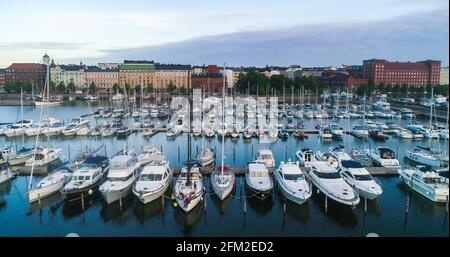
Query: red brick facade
point(411, 73)
point(26, 73)
point(208, 83)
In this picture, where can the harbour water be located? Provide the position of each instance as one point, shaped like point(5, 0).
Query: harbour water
point(389, 215)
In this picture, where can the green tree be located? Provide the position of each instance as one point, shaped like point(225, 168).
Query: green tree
point(361, 89)
point(116, 88)
point(382, 87)
point(388, 88)
point(61, 88)
point(171, 87)
point(183, 90)
point(52, 86)
point(149, 89)
point(92, 88)
point(27, 88)
point(404, 89)
point(128, 88)
point(71, 87)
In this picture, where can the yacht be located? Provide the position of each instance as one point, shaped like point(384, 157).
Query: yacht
point(258, 180)
point(265, 156)
point(5, 173)
point(154, 180)
point(377, 135)
point(426, 182)
point(383, 157)
point(43, 156)
point(381, 106)
point(17, 129)
point(328, 180)
point(53, 128)
point(148, 154)
point(325, 133)
point(305, 157)
point(222, 182)
point(283, 134)
point(292, 182)
point(206, 156)
point(50, 185)
point(422, 156)
point(74, 126)
point(404, 134)
point(189, 190)
point(336, 131)
point(357, 176)
point(123, 171)
point(86, 178)
point(14, 157)
point(172, 132)
point(360, 132)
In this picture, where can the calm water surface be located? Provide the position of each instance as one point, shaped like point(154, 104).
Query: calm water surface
point(385, 216)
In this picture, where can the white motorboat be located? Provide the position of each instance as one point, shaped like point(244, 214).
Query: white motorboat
point(426, 182)
point(5, 173)
point(258, 180)
point(305, 157)
point(325, 133)
point(328, 181)
point(292, 182)
point(153, 182)
point(358, 177)
point(336, 131)
point(173, 132)
point(123, 171)
point(148, 154)
point(84, 131)
point(265, 156)
point(117, 97)
point(422, 156)
point(53, 129)
point(74, 126)
point(51, 184)
point(17, 129)
point(86, 178)
point(189, 190)
point(17, 157)
point(206, 156)
point(383, 157)
point(404, 134)
point(43, 156)
point(360, 132)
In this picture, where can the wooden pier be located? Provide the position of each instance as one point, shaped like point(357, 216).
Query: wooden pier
point(240, 171)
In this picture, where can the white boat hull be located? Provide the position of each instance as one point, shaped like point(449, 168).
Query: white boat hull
point(112, 196)
point(39, 193)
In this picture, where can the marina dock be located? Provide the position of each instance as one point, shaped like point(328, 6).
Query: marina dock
point(240, 171)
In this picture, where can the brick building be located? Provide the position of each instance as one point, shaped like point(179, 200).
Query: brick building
point(411, 73)
point(2, 79)
point(211, 80)
point(341, 80)
point(26, 73)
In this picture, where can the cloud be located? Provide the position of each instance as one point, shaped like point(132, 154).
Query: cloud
point(43, 45)
point(416, 36)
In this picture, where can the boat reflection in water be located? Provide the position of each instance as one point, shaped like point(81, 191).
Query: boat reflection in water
point(74, 209)
point(5, 187)
point(150, 210)
point(224, 205)
point(53, 202)
point(258, 205)
point(337, 212)
point(113, 211)
point(298, 212)
point(188, 221)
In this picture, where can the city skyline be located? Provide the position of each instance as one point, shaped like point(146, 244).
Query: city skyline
point(247, 34)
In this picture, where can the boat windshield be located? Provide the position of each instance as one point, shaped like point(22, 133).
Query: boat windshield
point(363, 177)
point(150, 177)
point(386, 153)
point(81, 178)
point(327, 175)
point(266, 156)
point(298, 176)
point(258, 174)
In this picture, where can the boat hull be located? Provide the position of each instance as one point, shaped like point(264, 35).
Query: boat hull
point(113, 196)
point(39, 193)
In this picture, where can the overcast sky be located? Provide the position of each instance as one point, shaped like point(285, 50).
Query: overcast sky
point(309, 33)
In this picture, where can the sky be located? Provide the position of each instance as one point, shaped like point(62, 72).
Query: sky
point(249, 33)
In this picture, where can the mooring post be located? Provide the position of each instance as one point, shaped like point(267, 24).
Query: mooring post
point(245, 205)
point(68, 150)
point(120, 203)
point(407, 203)
point(39, 199)
point(162, 202)
point(284, 206)
point(241, 185)
point(365, 205)
point(446, 207)
point(252, 150)
point(326, 203)
point(82, 201)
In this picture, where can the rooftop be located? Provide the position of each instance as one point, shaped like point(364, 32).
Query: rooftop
point(26, 66)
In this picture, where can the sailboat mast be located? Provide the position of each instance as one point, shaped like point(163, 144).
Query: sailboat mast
point(21, 110)
point(223, 122)
point(188, 179)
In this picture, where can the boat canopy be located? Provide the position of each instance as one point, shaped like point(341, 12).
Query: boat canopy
point(350, 164)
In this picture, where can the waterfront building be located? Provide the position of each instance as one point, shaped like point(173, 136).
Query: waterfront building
point(26, 74)
point(443, 79)
point(175, 73)
point(108, 66)
point(343, 80)
point(104, 79)
point(67, 74)
point(134, 73)
point(292, 72)
point(410, 73)
point(2, 79)
point(229, 78)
